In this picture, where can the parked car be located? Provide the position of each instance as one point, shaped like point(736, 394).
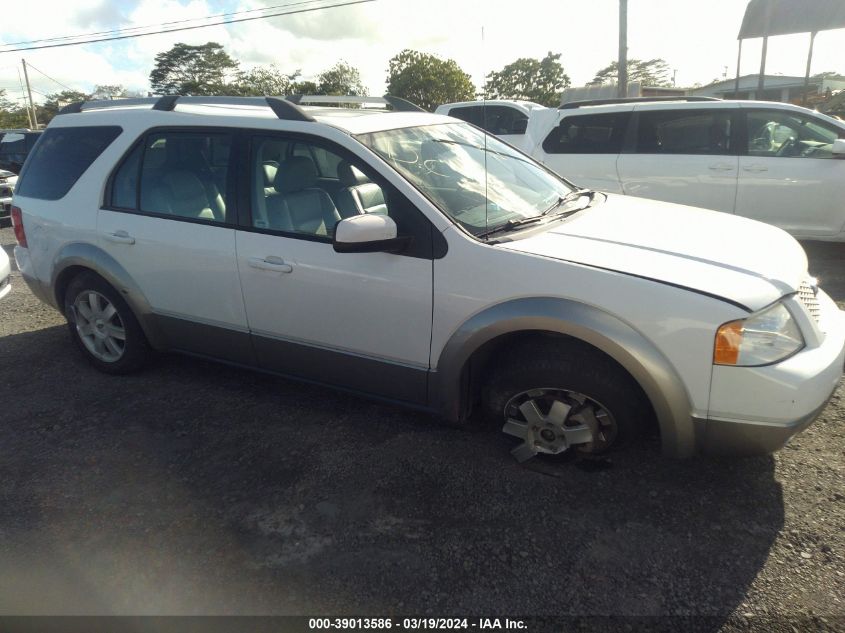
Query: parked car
point(506, 119)
point(5, 274)
point(7, 188)
point(773, 162)
point(15, 145)
point(417, 259)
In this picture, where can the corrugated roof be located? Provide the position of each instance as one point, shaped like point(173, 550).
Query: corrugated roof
point(780, 17)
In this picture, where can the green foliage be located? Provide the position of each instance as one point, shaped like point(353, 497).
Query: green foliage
point(264, 81)
point(427, 80)
point(56, 102)
point(193, 70)
point(105, 91)
point(538, 80)
point(652, 72)
point(340, 79)
point(12, 115)
point(304, 88)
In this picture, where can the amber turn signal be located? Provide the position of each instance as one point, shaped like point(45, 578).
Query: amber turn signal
point(728, 340)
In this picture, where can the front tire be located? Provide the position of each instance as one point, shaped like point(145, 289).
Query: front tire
point(556, 397)
point(103, 327)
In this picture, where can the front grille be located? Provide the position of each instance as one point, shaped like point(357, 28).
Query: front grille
point(807, 296)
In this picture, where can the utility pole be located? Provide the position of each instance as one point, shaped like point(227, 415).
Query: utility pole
point(622, 63)
point(28, 112)
point(29, 92)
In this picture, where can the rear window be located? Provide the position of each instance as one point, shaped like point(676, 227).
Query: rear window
point(588, 134)
point(60, 157)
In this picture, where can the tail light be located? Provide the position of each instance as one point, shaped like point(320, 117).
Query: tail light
point(17, 222)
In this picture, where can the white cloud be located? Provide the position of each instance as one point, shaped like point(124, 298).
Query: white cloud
point(697, 40)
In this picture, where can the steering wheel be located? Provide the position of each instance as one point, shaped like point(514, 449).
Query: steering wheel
point(787, 145)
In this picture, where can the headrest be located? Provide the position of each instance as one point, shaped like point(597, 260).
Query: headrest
point(269, 167)
point(184, 185)
point(350, 176)
point(295, 174)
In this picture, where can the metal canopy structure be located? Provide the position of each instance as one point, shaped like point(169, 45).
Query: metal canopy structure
point(783, 17)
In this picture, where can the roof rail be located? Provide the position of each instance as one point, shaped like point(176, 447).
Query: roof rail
point(281, 108)
point(592, 102)
point(398, 104)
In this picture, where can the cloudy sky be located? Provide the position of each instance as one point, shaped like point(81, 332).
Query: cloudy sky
point(696, 38)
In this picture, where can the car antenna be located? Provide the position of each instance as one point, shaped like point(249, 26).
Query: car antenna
point(485, 127)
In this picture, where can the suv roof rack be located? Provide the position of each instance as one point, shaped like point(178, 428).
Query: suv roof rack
point(282, 108)
point(591, 102)
point(398, 104)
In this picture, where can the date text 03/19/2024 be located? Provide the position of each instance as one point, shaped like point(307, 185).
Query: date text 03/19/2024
point(414, 624)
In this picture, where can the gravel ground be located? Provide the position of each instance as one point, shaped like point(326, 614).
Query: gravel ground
point(195, 488)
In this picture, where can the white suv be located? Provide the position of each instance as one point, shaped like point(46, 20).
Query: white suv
point(507, 119)
point(413, 258)
point(773, 162)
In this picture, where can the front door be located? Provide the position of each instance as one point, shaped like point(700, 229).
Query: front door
point(789, 177)
point(355, 320)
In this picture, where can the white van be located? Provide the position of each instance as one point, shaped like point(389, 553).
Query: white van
point(773, 162)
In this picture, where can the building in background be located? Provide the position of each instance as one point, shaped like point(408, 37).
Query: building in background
point(777, 88)
point(609, 91)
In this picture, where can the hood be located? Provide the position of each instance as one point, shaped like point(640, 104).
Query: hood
point(741, 260)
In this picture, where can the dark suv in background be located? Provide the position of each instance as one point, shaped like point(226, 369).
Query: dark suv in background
point(15, 145)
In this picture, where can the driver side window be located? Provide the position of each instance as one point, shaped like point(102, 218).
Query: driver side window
point(787, 135)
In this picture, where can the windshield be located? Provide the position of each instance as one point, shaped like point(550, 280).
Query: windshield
point(480, 186)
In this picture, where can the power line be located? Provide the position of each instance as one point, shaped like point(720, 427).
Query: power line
point(150, 26)
point(189, 28)
point(51, 79)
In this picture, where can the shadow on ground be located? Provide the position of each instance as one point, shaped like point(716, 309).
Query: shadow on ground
point(198, 488)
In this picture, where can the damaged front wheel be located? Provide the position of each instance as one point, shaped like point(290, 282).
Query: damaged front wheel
point(553, 398)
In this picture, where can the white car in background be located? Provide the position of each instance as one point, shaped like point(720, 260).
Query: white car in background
point(507, 119)
point(5, 274)
point(7, 188)
point(773, 162)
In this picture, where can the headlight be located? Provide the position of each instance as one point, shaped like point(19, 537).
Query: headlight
point(762, 339)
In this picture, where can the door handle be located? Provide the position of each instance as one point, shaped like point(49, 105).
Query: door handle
point(119, 237)
point(721, 167)
point(755, 168)
point(271, 262)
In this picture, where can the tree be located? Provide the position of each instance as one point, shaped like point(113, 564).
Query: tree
point(340, 79)
point(106, 92)
point(264, 81)
point(427, 80)
point(536, 80)
point(12, 115)
point(304, 88)
point(193, 70)
point(652, 72)
point(57, 101)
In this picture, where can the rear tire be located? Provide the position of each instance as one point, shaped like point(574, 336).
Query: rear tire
point(103, 326)
point(555, 396)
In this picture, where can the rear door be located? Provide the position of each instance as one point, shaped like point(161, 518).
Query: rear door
point(584, 147)
point(685, 155)
point(788, 176)
point(168, 219)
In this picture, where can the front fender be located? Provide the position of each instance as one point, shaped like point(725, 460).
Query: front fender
point(81, 254)
point(648, 366)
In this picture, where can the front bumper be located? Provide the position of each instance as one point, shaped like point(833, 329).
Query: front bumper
point(756, 410)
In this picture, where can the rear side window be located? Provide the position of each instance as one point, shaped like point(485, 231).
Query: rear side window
point(177, 174)
point(496, 119)
point(684, 132)
point(588, 134)
point(60, 157)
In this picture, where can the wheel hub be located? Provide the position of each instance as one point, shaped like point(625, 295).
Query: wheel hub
point(550, 421)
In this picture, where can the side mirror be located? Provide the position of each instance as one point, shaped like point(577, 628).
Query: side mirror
point(838, 148)
point(368, 233)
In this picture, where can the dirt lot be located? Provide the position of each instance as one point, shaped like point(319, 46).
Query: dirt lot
point(195, 488)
